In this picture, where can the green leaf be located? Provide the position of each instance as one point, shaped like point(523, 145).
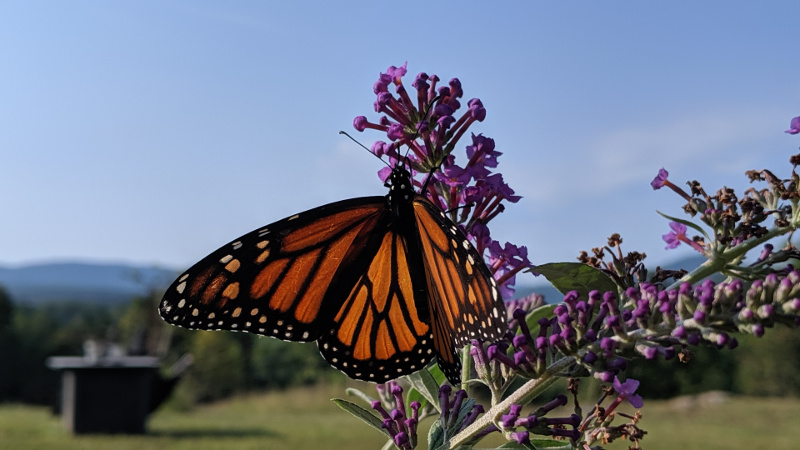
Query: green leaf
point(425, 385)
point(436, 435)
point(549, 443)
point(366, 416)
point(576, 277)
point(515, 446)
point(438, 375)
point(357, 393)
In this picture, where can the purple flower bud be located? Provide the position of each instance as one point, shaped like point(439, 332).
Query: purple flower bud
point(377, 406)
point(560, 400)
point(445, 121)
point(758, 330)
point(617, 364)
point(360, 123)
point(401, 439)
point(590, 357)
point(605, 377)
point(384, 98)
point(389, 425)
point(444, 399)
point(766, 311)
point(700, 316)
point(679, 332)
point(693, 339)
point(473, 414)
point(476, 110)
point(648, 352)
point(395, 132)
point(591, 335)
point(380, 86)
point(522, 437)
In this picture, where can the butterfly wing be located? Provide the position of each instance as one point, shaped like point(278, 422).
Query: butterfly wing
point(465, 302)
point(379, 333)
point(273, 280)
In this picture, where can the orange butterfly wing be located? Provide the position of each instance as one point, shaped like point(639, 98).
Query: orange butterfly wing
point(273, 281)
point(464, 300)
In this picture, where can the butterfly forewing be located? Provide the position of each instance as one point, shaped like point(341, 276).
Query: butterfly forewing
point(464, 298)
point(272, 281)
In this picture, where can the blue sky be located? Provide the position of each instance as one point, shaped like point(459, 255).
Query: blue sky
point(154, 132)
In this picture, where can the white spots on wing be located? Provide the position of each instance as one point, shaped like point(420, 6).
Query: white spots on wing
point(293, 217)
point(237, 245)
point(225, 259)
point(182, 303)
point(181, 287)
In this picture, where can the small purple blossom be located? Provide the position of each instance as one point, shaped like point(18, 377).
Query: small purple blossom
point(794, 126)
point(660, 179)
point(627, 391)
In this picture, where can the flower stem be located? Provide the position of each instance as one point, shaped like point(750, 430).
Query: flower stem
point(521, 396)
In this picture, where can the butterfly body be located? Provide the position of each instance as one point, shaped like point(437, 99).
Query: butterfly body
point(383, 284)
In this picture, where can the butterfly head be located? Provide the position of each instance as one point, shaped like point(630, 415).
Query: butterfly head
point(401, 188)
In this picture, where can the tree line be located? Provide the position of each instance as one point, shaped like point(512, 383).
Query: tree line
point(229, 363)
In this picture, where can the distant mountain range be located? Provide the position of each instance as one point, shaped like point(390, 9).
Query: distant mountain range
point(95, 283)
point(119, 283)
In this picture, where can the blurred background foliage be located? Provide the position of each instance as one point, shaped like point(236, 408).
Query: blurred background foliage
point(232, 363)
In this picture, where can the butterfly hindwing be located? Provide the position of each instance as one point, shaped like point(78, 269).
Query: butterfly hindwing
point(272, 281)
point(378, 333)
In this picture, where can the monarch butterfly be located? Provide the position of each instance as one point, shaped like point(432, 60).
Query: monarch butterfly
point(383, 284)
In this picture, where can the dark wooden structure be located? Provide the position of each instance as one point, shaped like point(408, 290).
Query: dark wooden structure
point(106, 395)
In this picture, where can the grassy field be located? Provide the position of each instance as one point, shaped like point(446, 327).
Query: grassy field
point(305, 418)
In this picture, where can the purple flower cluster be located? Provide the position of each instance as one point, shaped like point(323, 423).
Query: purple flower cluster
point(650, 321)
point(731, 219)
point(452, 418)
point(400, 427)
point(426, 122)
point(537, 423)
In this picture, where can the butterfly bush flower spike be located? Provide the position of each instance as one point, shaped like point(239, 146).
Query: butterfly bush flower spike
point(429, 125)
point(618, 312)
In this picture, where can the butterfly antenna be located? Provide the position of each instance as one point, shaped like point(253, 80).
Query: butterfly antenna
point(364, 147)
point(433, 169)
